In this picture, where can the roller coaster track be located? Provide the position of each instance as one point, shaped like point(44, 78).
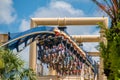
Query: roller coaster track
point(23, 37)
point(41, 34)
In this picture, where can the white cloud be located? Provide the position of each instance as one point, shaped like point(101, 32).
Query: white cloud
point(58, 9)
point(25, 25)
point(54, 9)
point(7, 13)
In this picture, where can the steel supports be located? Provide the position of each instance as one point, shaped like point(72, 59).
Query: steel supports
point(63, 22)
point(86, 38)
point(33, 52)
point(94, 53)
point(69, 21)
point(102, 39)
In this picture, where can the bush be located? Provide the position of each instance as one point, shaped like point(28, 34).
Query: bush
point(12, 67)
point(111, 53)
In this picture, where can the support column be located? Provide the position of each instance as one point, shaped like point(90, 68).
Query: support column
point(101, 71)
point(33, 52)
point(90, 73)
point(104, 40)
point(82, 72)
point(32, 58)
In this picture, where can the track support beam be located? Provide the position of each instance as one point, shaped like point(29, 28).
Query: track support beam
point(86, 38)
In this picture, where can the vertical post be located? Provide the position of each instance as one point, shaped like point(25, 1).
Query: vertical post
point(90, 73)
point(82, 72)
point(103, 39)
point(33, 52)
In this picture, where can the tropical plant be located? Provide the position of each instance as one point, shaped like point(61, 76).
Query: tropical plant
point(12, 67)
point(112, 8)
point(111, 51)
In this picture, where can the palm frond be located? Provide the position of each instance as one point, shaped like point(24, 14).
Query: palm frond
point(104, 8)
point(115, 2)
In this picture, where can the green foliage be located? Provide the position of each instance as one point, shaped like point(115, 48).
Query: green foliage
point(111, 52)
point(12, 67)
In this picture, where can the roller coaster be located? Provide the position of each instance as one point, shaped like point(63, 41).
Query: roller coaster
point(57, 49)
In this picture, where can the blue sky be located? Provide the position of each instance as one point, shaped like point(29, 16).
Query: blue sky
point(15, 14)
